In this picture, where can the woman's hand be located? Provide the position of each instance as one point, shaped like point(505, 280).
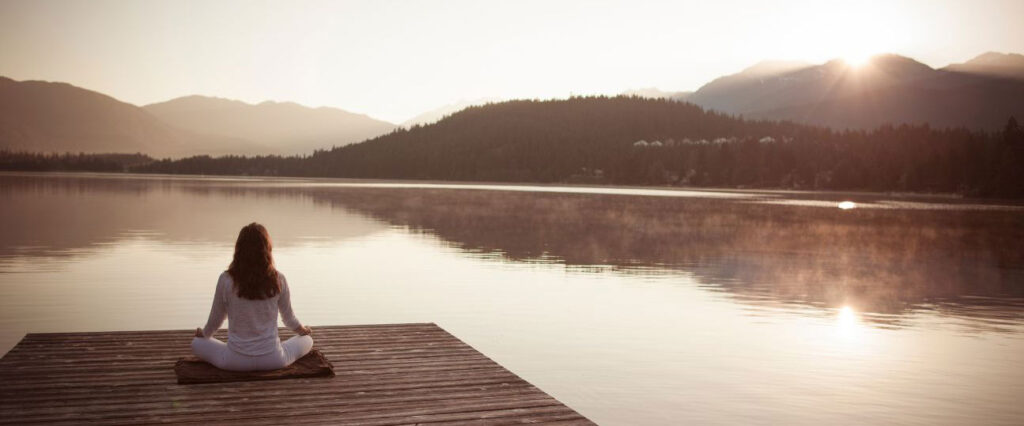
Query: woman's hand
point(305, 331)
point(199, 332)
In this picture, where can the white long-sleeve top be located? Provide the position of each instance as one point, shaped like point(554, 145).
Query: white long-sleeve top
point(252, 324)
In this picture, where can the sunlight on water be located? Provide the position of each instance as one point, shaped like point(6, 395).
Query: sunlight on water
point(847, 322)
point(638, 310)
point(847, 317)
point(882, 204)
point(543, 188)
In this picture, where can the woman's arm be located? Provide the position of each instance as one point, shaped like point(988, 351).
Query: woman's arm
point(284, 305)
point(219, 310)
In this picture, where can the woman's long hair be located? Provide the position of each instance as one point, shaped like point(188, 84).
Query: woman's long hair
point(252, 268)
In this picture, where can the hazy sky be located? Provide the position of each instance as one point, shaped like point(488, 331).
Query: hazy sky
point(393, 60)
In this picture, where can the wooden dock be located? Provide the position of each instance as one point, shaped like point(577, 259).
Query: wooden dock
point(388, 374)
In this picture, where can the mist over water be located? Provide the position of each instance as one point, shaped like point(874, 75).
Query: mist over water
point(631, 306)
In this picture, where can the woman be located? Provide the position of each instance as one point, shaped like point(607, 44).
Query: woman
point(250, 294)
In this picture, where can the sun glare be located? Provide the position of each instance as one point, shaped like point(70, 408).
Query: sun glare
point(847, 205)
point(847, 322)
point(847, 316)
point(857, 60)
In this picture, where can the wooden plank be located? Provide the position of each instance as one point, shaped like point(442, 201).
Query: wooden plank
point(164, 378)
point(31, 371)
point(385, 374)
point(485, 417)
point(398, 380)
point(139, 344)
point(142, 355)
point(219, 400)
point(357, 327)
point(409, 410)
point(213, 393)
point(90, 346)
point(352, 330)
point(338, 356)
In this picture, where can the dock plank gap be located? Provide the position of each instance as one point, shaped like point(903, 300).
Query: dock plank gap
point(385, 374)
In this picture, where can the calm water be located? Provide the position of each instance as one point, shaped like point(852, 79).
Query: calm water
point(632, 306)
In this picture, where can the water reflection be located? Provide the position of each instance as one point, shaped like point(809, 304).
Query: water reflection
point(61, 215)
point(964, 261)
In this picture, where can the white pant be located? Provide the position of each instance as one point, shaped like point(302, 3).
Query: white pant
point(217, 353)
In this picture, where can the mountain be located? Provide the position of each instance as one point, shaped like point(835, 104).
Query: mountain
point(993, 64)
point(738, 92)
point(42, 116)
point(283, 127)
point(887, 89)
point(443, 111)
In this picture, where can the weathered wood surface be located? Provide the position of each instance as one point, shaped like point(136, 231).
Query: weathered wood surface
point(387, 374)
point(192, 370)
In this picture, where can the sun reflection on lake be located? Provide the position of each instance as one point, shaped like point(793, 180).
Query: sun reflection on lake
point(846, 316)
point(847, 322)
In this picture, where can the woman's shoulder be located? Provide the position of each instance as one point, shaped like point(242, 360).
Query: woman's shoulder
point(225, 279)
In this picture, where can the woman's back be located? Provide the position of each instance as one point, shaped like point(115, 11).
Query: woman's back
point(252, 323)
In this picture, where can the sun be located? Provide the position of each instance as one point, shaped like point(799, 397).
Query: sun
point(857, 59)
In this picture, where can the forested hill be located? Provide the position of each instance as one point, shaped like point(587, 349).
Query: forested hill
point(629, 140)
point(546, 141)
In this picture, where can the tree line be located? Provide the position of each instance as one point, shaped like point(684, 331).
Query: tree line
point(80, 162)
point(595, 140)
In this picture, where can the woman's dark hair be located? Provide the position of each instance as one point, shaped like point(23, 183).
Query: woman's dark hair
point(252, 268)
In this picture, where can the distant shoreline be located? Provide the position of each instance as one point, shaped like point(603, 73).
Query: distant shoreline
point(447, 184)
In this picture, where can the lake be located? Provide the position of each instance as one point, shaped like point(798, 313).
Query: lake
point(632, 305)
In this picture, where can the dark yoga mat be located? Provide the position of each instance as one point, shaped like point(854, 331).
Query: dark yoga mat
point(192, 370)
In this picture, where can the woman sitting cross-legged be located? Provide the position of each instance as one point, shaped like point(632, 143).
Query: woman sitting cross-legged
point(250, 294)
